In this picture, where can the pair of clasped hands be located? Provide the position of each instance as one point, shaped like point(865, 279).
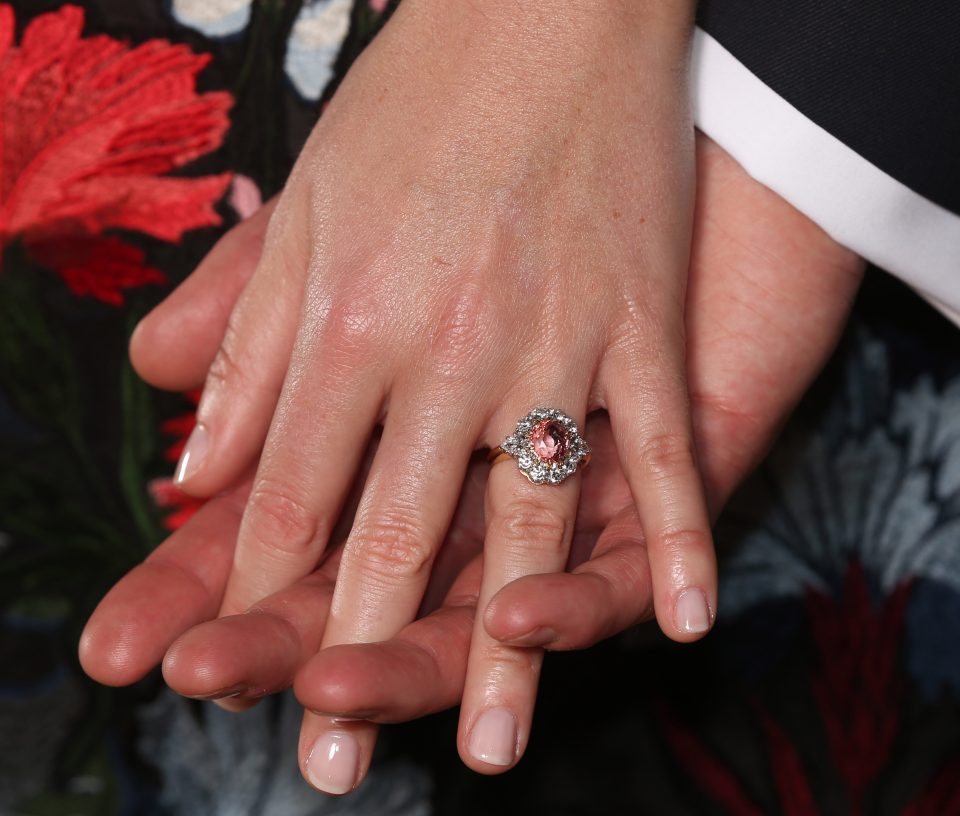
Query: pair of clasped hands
point(497, 212)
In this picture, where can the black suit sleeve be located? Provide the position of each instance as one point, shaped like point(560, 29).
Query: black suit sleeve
point(850, 110)
point(883, 76)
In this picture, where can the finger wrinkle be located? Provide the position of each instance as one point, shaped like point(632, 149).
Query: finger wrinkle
point(175, 572)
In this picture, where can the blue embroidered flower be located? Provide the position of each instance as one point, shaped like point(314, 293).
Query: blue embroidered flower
point(876, 480)
point(315, 38)
point(228, 764)
point(314, 43)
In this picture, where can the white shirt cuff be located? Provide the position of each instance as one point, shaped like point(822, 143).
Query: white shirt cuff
point(855, 202)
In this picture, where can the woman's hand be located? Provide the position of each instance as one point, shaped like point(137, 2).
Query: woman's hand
point(768, 295)
point(494, 214)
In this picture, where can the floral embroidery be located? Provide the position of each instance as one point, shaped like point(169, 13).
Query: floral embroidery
point(214, 18)
point(859, 697)
point(98, 266)
point(314, 43)
point(315, 39)
point(166, 495)
point(877, 487)
point(180, 427)
point(245, 197)
point(90, 128)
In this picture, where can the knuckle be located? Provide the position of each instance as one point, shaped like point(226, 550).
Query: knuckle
point(632, 333)
point(666, 455)
point(679, 544)
point(465, 599)
point(644, 332)
point(354, 325)
point(463, 330)
point(228, 368)
point(534, 525)
point(733, 417)
point(518, 664)
point(393, 547)
point(280, 521)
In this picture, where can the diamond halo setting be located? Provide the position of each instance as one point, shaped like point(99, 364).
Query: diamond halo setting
point(547, 445)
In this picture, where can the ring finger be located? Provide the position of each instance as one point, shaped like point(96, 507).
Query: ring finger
point(529, 528)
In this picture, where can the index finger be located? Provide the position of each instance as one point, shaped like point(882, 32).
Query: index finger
point(178, 586)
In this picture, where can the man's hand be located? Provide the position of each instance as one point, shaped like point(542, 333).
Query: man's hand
point(768, 297)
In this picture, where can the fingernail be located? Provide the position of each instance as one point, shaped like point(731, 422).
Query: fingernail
point(540, 636)
point(221, 694)
point(692, 614)
point(193, 453)
point(334, 762)
point(494, 737)
point(354, 716)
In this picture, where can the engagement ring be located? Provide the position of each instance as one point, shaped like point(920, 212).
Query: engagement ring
point(547, 446)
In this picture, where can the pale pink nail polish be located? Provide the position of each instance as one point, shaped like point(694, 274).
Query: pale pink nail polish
point(692, 615)
point(334, 762)
point(193, 453)
point(494, 737)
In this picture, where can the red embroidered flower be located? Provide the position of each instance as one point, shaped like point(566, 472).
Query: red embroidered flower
point(88, 128)
point(100, 266)
point(180, 427)
point(164, 492)
point(166, 495)
point(859, 694)
point(857, 686)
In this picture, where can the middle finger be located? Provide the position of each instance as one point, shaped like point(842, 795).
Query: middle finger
point(407, 505)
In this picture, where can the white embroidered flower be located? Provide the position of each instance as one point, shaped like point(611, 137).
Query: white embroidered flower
point(213, 18)
point(877, 480)
point(314, 43)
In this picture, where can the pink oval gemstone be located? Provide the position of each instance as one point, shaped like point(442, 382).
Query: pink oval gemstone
point(550, 440)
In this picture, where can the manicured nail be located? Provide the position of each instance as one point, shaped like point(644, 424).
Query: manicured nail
point(692, 614)
point(193, 453)
point(494, 737)
point(334, 762)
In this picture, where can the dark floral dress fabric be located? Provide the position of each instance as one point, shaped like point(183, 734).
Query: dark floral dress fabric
point(133, 133)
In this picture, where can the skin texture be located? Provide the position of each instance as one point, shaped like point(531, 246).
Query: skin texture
point(460, 241)
point(768, 296)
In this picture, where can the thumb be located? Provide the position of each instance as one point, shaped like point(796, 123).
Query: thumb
point(174, 345)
